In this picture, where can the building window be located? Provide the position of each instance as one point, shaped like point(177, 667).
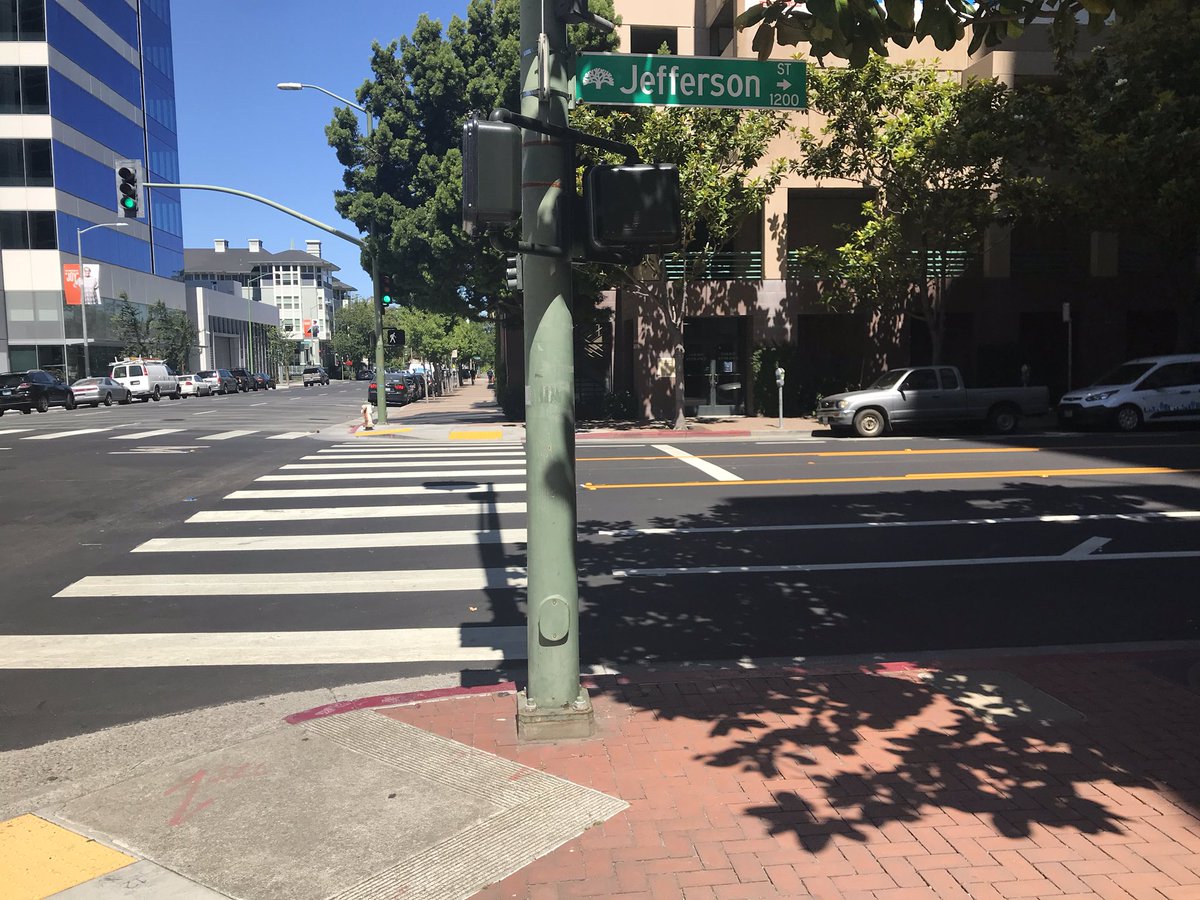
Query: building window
point(24, 89)
point(33, 230)
point(22, 20)
point(720, 30)
point(25, 163)
point(647, 39)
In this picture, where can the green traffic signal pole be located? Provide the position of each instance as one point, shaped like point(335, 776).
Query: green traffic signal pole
point(554, 705)
point(380, 379)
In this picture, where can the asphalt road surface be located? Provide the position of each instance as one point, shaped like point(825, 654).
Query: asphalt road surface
point(161, 564)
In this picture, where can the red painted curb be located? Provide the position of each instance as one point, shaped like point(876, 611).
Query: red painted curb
point(333, 709)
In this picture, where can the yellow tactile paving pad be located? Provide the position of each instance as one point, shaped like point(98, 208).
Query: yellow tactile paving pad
point(476, 435)
point(39, 858)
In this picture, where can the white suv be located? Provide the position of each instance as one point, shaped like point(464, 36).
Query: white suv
point(1136, 393)
point(315, 375)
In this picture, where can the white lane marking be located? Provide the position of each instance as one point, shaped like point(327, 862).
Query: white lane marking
point(207, 412)
point(225, 435)
point(288, 436)
point(907, 564)
point(63, 434)
point(491, 643)
point(1086, 548)
point(145, 434)
point(15, 430)
point(367, 541)
point(355, 581)
point(702, 464)
point(419, 464)
point(357, 512)
point(1182, 514)
point(262, 403)
point(418, 452)
point(464, 487)
point(355, 476)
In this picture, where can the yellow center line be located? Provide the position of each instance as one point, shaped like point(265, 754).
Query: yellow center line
point(916, 476)
point(906, 452)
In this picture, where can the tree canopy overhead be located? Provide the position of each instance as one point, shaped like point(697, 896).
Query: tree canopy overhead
point(405, 181)
point(853, 29)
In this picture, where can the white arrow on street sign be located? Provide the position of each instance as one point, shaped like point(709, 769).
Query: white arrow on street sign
point(783, 85)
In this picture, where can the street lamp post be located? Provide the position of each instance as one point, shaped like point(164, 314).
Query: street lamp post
point(83, 305)
point(380, 394)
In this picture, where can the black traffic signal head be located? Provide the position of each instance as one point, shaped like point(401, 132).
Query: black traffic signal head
point(129, 187)
point(514, 275)
point(387, 292)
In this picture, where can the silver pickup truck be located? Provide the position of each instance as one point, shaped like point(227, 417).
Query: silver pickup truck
point(928, 395)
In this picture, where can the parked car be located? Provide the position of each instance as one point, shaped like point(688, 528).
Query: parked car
point(364, 375)
point(101, 389)
point(147, 379)
point(194, 386)
point(315, 375)
point(928, 395)
point(220, 380)
point(244, 378)
point(264, 381)
point(1142, 391)
point(398, 389)
point(34, 389)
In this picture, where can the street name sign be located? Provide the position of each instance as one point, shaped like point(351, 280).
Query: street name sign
point(630, 79)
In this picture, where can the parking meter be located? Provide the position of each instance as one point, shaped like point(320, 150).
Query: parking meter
point(779, 376)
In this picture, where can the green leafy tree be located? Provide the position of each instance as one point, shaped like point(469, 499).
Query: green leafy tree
point(854, 29)
point(131, 327)
point(354, 332)
point(173, 336)
point(724, 180)
point(1131, 110)
point(406, 182)
point(945, 161)
point(279, 351)
point(473, 338)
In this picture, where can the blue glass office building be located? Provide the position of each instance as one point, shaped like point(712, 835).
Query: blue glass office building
point(83, 83)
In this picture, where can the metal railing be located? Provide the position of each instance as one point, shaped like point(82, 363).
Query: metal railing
point(953, 263)
point(728, 266)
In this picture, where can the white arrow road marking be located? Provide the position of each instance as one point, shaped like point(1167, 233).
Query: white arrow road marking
point(357, 581)
point(493, 643)
point(1085, 549)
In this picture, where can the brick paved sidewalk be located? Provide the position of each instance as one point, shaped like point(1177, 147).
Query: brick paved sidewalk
point(1029, 777)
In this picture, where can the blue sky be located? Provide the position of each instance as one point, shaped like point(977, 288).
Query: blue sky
point(237, 130)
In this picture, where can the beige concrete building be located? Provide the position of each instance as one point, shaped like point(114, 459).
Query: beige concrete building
point(1006, 305)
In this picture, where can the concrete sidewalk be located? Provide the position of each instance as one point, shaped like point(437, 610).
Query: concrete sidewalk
point(471, 412)
point(981, 774)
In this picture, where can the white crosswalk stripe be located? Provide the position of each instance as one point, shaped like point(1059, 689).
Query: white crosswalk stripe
point(458, 532)
point(288, 436)
point(14, 430)
point(62, 434)
point(226, 435)
point(139, 435)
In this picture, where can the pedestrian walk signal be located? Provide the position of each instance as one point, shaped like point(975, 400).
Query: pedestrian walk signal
point(395, 337)
point(129, 187)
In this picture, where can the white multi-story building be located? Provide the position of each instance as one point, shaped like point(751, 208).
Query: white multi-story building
point(298, 283)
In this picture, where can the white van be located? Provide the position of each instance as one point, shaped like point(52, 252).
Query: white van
point(1136, 393)
point(147, 379)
